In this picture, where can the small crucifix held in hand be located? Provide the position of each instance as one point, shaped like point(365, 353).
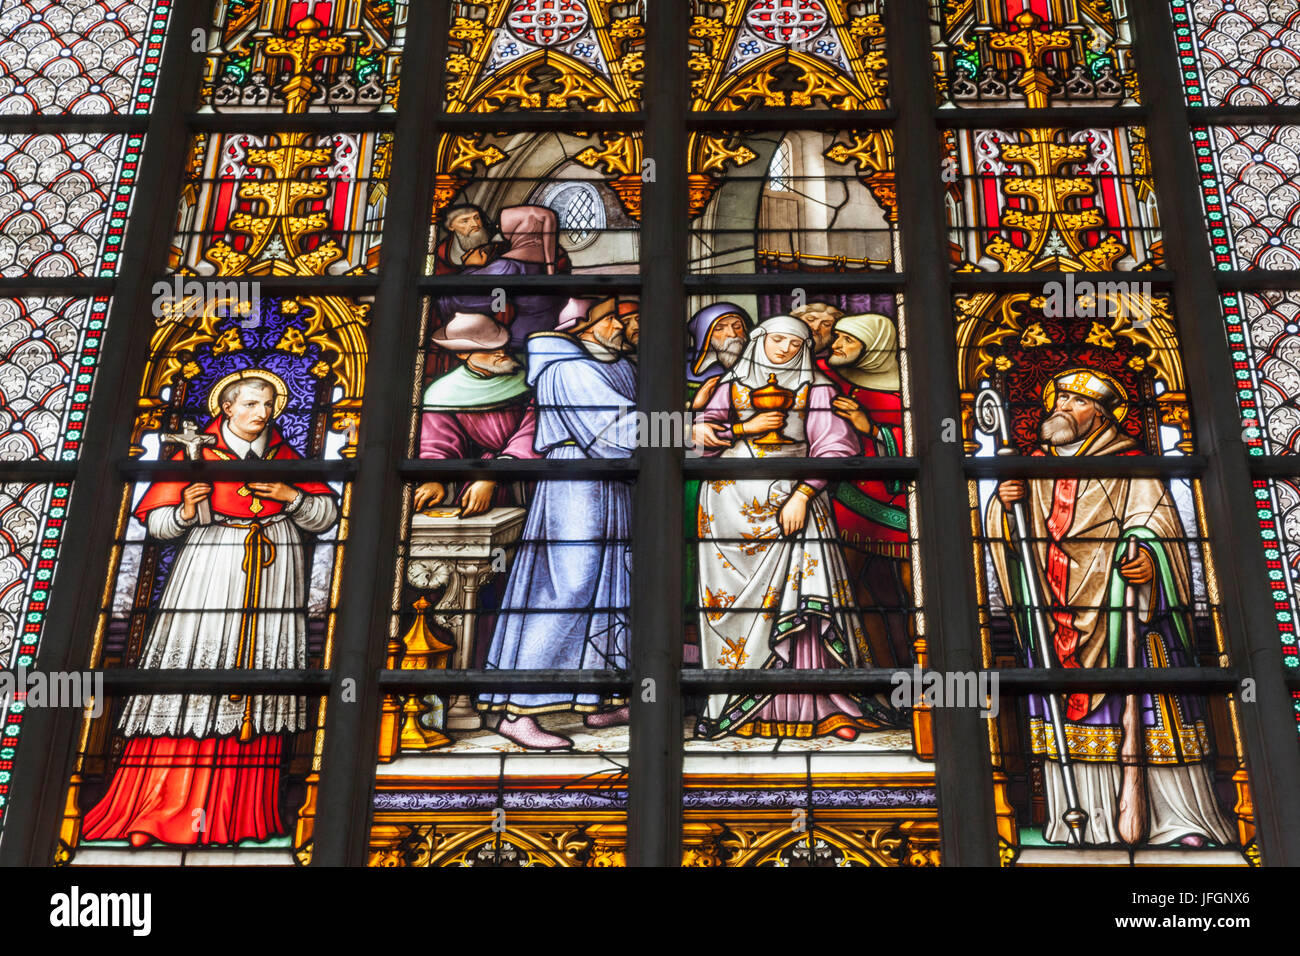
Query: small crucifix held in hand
point(192, 440)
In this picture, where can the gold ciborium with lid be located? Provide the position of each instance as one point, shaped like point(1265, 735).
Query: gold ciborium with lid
point(772, 398)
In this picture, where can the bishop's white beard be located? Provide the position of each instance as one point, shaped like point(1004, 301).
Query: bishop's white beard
point(1059, 429)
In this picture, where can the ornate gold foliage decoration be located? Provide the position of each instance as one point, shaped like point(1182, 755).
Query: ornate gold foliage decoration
point(785, 76)
point(301, 51)
point(542, 844)
point(712, 42)
point(1055, 229)
point(872, 152)
point(546, 78)
point(715, 154)
point(459, 157)
point(554, 839)
point(843, 844)
point(280, 232)
point(281, 195)
point(250, 61)
point(621, 155)
point(986, 321)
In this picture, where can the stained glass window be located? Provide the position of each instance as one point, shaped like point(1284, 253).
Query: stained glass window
point(65, 201)
point(277, 379)
point(1086, 566)
point(81, 56)
point(326, 215)
point(1250, 191)
point(1021, 343)
point(1083, 53)
point(1051, 199)
point(517, 572)
point(822, 54)
point(939, 511)
point(65, 198)
point(342, 56)
point(237, 572)
point(51, 350)
point(1262, 333)
point(1184, 752)
point(1275, 503)
point(32, 519)
point(793, 201)
point(501, 207)
point(523, 55)
point(1242, 53)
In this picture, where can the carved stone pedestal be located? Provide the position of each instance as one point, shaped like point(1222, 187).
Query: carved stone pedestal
point(463, 553)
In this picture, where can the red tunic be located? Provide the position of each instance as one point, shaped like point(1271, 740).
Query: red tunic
point(861, 519)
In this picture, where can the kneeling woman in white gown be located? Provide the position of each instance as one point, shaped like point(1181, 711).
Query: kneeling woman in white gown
point(774, 589)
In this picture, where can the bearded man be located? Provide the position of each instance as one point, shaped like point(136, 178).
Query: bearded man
point(718, 336)
point(530, 247)
point(1081, 533)
point(565, 600)
point(472, 239)
point(820, 317)
point(629, 310)
point(469, 241)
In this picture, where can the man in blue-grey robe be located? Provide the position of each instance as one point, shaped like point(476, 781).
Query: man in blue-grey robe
point(566, 598)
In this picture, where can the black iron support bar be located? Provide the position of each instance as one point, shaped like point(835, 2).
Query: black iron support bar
point(1019, 680)
point(352, 720)
point(964, 783)
point(523, 681)
point(1136, 466)
point(654, 782)
point(301, 469)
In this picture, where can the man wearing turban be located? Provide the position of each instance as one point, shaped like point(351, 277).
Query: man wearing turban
point(718, 333)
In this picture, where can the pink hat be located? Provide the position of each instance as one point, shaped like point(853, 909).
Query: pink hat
point(573, 314)
point(471, 332)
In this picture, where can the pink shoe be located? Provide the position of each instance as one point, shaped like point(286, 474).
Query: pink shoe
point(1193, 840)
point(609, 718)
point(526, 732)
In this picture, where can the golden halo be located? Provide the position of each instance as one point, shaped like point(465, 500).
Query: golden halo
point(1120, 410)
point(270, 378)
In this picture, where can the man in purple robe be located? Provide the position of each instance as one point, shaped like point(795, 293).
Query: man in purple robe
point(480, 409)
point(566, 599)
